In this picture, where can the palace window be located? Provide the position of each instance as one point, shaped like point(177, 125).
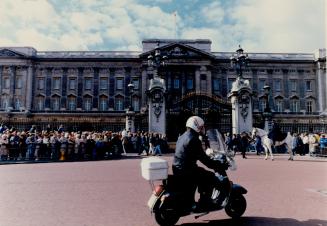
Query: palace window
point(6, 83)
point(136, 83)
point(308, 86)
point(87, 103)
point(277, 85)
point(176, 83)
point(103, 83)
point(262, 104)
point(119, 104)
point(136, 103)
point(279, 105)
point(5, 102)
point(88, 83)
point(295, 105)
point(17, 103)
point(230, 83)
point(56, 103)
point(72, 84)
point(40, 103)
point(71, 103)
point(189, 83)
point(56, 83)
point(203, 83)
point(261, 84)
point(119, 84)
point(40, 84)
point(216, 85)
point(103, 103)
point(19, 82)
point(309, 106)
point(293, 85)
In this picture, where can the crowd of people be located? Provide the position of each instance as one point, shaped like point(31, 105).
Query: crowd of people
point(61, 145)
point(302, 144)
point(58, 144)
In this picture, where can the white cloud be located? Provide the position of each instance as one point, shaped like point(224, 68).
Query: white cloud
point(213, 13)
point(260, 26)
point(283, 26)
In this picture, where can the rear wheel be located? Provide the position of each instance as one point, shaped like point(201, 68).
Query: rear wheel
point(166, 216)
point(236, 206)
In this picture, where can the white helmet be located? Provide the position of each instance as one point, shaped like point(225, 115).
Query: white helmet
point(196, 123)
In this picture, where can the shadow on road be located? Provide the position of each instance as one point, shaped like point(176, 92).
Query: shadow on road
point(256, 221)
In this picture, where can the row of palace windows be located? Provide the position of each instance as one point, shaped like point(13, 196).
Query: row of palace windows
point(87, 82)
point(277, 85)
point(103, 84)
point(87, 104)
point(294, 105)
point(18, 82)
point(217, 84)
point(71, 103)
point(119, 104)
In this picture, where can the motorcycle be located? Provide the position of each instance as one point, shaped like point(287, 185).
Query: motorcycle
point(168, 204)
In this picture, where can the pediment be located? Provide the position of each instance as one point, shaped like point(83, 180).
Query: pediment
point(178, 50)
point(10, 53)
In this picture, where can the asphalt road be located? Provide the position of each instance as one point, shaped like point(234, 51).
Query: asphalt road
point(113, 193)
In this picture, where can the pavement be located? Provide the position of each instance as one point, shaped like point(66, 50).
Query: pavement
point(113, 193)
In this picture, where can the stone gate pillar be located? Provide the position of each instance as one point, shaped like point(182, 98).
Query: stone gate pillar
point(157, 105)
point(241, 99)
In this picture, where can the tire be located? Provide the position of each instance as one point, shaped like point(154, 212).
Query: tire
point(236, 206)
point(165, 216)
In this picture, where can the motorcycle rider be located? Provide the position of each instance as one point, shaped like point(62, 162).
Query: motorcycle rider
point(189, 175)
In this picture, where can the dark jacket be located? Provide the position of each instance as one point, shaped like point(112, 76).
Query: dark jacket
point(188, 152)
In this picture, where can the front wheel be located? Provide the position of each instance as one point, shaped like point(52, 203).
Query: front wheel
point(236, 206)
point(166, 216)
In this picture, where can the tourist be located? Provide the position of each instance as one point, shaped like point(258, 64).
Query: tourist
point(244, 143)
point(30, 142)
point(323, 142)
point(305, 140)
point(258, 145)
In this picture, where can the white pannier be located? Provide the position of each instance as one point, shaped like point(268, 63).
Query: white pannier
point(154, 168)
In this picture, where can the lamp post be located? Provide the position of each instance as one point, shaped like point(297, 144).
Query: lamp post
point(156, 60)
point(239, 60)
point(267, 114)
point(131, 91)
point(130, 112)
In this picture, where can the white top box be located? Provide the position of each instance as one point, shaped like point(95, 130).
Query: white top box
point(154, 168)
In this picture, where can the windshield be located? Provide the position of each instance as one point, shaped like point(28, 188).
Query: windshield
point(216, 140)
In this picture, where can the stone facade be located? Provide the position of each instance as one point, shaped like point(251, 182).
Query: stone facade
point(83, 87)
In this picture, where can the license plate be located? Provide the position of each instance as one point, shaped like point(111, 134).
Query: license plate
point(152, 201)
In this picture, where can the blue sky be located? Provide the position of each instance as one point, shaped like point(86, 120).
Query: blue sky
point(258, 25)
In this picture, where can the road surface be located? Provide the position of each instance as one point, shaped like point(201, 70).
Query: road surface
point(101, 193)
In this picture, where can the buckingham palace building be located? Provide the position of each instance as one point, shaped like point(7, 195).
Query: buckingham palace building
point(88, 90)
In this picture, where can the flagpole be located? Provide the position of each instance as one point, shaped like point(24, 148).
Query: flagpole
point(175, 24)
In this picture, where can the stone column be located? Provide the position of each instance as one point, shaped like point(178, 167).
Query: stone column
point(144, 87)
point(29, 88)
point(130, 118)
point(1, 73)
point(197, 81)
point(12, 77)
point(209, 82)
point(235, 111)
point(322, 84)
